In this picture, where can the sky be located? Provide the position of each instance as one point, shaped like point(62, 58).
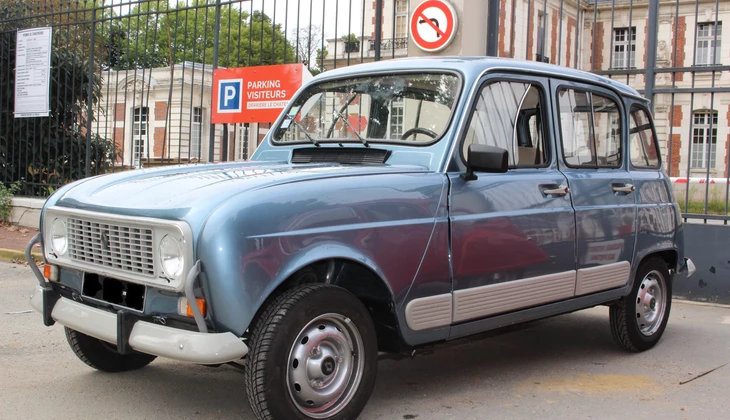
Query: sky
point(337, 14)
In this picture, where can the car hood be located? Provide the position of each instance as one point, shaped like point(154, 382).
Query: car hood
point(177, 192)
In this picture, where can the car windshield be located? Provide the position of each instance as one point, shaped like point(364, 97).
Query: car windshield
point(413, 108)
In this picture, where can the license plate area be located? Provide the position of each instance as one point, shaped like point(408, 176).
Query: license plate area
point(117, 292)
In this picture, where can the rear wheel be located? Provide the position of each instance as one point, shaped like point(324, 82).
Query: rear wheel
point(313, 356)
point(638, 321)
point(104, 356)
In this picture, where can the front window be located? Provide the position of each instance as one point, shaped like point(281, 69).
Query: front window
point(414, 108)
point(708, 44)
point(704, 140)
point(624, 48)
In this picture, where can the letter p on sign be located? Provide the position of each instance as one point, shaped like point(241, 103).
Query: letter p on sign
point(229, 96)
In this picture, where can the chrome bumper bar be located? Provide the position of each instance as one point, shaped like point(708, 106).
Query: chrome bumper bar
point(128, 331)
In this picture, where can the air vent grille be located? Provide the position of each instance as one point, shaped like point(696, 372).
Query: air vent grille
point(346, 156)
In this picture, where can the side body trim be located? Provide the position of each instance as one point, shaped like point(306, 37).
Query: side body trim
point(603, 277)
point(482, 301)
point(429, 312)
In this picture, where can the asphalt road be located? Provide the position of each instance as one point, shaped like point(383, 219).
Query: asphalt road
point(563, 368)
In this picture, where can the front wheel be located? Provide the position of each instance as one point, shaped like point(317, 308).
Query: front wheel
point(103, 356)
point(638, 321)
point(313, 356)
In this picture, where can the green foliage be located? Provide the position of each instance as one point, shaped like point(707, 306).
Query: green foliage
point(6, 196)
point(352, 43)
point(160, 35)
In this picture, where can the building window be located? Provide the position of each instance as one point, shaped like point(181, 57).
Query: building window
point(708, 44)
point(140, 129)
point(401, 19)
point(704, 140)
point(541, 38)
point(396, 118)
point(624, 48)
point(196, 132)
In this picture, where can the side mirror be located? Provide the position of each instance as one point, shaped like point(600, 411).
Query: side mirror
point(485, 158)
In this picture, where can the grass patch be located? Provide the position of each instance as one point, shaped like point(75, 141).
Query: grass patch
point(698, 207)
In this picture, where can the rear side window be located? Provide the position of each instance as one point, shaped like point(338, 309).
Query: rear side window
point(644, 152)
point(590, 129)
point(509, 115)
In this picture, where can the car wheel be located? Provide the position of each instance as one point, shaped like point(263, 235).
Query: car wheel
point(638, 321)
point(313, 355)
point(104, 356)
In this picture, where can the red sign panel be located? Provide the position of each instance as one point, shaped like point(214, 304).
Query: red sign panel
point(433, 25)
point(254, 94)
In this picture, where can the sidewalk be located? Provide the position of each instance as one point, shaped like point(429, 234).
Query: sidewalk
point(13, 240)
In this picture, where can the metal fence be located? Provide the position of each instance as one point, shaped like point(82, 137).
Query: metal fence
point(671, 51)
point(132, 78)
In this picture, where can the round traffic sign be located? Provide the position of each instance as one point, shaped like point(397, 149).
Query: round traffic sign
point(433, 25)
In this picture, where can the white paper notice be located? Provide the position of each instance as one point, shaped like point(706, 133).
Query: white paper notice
point(33, 72)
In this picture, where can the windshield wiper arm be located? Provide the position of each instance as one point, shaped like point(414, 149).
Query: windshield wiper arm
point(304, 130)
point(359, 137)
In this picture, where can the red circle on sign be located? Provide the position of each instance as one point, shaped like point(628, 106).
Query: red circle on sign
point(419, 18)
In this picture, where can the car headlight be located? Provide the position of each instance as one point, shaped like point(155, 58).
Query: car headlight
point(172, 257)
point(59, 237)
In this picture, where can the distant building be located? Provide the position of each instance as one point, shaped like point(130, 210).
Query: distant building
point(162, 116)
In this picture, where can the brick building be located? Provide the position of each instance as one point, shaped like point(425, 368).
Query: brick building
point(610, 37)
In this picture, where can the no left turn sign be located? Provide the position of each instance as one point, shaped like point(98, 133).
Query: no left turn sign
point(433, 25)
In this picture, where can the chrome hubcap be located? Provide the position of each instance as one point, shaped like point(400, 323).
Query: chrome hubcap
point(325, 366)
point(651, 303)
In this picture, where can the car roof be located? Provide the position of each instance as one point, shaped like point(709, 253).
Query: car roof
point(475, 66)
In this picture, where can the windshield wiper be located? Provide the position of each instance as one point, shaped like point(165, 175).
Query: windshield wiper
point(339, 115)
point(304, 130)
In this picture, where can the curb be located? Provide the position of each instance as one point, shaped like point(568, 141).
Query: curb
point(14, 255)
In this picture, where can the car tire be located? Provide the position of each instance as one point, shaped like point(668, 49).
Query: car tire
point(313, 354)
point(103, 356)
point(639, 319)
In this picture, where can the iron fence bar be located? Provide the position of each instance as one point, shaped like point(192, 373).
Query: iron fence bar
point(560, 31)
point(378, 27)
point(652, 31)
point(631, 34)
point(90, 97)
point(595, 31)
point(711, 135)
point(216, 42)
point(492, 27)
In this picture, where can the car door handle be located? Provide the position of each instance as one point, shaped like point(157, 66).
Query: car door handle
point(623, 188)
point(555, 189)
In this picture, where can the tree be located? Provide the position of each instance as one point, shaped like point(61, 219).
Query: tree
point(161, 36)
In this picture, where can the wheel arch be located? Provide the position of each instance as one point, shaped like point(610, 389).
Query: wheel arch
point(351, 270)
point(669, 255)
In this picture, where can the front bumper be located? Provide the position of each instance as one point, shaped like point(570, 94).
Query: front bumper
point(127, 331)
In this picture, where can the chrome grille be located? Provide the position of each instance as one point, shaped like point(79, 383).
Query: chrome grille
point(122, 247)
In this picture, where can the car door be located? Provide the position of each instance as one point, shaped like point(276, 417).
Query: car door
point(591, 133)
point(513, 233)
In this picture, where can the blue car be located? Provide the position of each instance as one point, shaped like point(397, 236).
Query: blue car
point(392, 206)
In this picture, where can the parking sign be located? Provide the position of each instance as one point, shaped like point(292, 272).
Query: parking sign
point(255, 94)
point(229, 96)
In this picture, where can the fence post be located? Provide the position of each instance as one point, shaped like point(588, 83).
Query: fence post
point(90, 94)
point(652, 30)
point(378, 28)
point(216, 39)
point(492, 28)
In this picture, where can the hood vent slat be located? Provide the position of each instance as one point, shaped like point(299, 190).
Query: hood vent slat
point(345, 156)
